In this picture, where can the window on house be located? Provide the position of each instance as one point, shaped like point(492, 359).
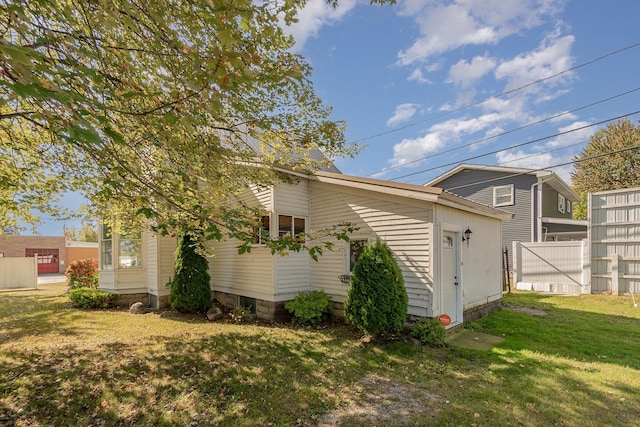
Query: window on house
point(130, 250)
point(106, 248)
point(503, 195)
point(260, 233)
point(561, 202)
point(290, 225)
point(356, 247)
point(568, 206)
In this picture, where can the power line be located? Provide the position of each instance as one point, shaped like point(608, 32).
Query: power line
point(507, 132)
point(596, 156)
point(508, 92)
point(517, 145)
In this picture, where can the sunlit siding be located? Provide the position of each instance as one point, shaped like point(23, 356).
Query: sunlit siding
point(249, 274)
point(404, 224)
point(291, 271)
point(160, 258)
point(481, 268)
point(614, 219)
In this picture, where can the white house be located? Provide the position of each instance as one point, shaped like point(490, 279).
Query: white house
point(445, 274)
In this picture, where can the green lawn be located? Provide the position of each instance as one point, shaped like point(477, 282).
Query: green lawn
point(577, 366)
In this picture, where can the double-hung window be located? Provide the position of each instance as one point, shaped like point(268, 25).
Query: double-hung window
point(561, 202)
point(503, 195)
point(289, 225)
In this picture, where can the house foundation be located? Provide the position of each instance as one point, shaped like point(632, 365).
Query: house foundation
point(268, 310)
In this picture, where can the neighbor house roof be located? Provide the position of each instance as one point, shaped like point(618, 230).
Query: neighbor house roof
point(411, 191)
point(547, 176)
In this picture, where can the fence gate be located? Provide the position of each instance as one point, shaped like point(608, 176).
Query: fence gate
point(557, 267)
point(506, 274)
point(48, 259)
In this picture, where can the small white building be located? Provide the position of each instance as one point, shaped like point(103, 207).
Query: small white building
point(444, 274)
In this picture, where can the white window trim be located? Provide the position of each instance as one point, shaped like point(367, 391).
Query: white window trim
point(568, 204)
point(510, 202)
point(561, 203)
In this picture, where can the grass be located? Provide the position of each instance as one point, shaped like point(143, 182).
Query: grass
point(577, 366)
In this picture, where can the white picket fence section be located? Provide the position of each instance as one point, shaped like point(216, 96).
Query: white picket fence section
point(555, 267)
point(18, 272)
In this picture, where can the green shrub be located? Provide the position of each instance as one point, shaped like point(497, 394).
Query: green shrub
point(82, 274)
point(191, 284)
point(377, 300)
point(430, 332)
point(309, 307)
point(92, 298)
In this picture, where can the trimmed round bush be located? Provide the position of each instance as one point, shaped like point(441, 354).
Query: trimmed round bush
point(309, 307)
point(191, 284)
point(377, 301)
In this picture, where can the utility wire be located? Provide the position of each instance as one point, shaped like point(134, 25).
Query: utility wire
point(517, 145)
point(596, 156)
point(487, 138)
point(473, 104)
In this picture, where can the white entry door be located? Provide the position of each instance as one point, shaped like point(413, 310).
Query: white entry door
point(451, 295)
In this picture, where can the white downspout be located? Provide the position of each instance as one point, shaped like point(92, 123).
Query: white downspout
point(533, 216)
point(539, 219)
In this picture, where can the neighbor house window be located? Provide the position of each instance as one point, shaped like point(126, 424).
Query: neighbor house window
point(106, 248)
point(130, 249)
point(561, 202)
point(568, 206)
point(356, 247)
point(260, 233)
point(503, 195)
point(290, 225)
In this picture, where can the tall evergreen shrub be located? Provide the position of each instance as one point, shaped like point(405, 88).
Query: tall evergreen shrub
point(191, 284)
point(377, 301)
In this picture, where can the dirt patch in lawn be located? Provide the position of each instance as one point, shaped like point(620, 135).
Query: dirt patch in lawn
point(376, 400)
point(525, 310)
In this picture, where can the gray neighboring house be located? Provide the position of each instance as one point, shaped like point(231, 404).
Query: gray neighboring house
point(540, 201)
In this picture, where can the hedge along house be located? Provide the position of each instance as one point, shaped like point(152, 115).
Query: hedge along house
point(423, 226)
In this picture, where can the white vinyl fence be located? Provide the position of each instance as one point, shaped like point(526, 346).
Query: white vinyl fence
point(16, 272)
point(614, 221)
point(556, 267)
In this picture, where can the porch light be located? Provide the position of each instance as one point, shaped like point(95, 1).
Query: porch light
point(467, 236)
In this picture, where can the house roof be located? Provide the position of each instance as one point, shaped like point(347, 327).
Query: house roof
point(547, 176)
point(411, 191)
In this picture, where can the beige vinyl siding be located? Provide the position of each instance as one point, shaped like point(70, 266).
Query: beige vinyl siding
point(404, 224)
point(249, 274)
point(291, 271)
point(481, 270)
point(166, 254)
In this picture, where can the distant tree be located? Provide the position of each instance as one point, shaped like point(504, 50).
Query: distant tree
point(597, 170)
point(88, 232)
point(191, 284)
point(377, 301)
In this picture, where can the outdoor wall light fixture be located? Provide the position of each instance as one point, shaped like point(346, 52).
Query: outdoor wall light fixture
point(467, 236)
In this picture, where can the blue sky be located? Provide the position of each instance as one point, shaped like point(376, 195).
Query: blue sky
point(420, 83)
point(410, 79)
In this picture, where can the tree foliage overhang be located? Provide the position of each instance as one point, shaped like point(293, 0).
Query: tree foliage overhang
point(147, 107)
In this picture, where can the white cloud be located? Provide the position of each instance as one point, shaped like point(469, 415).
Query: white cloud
point(446, 25)
point(409, 150)
point(466, 73)
point(570, 138)
point(403, 113)
point(417, 76)
point(549, 59)
point(315, 15)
